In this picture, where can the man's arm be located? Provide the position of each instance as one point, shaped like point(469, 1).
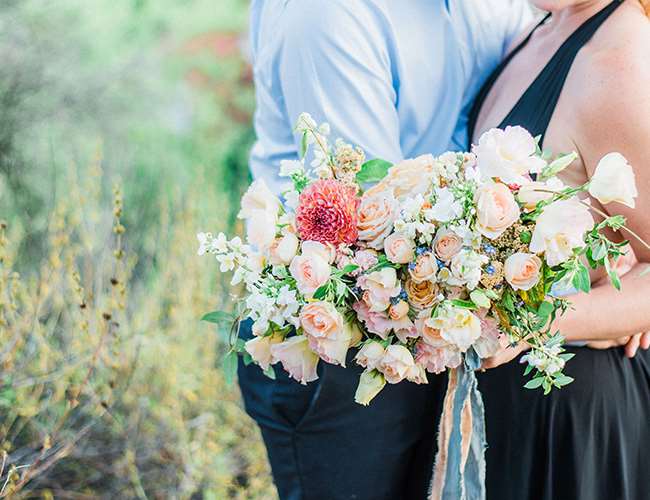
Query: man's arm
point(335, 64)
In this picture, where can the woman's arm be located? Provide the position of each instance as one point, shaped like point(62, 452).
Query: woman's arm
point(614, 115)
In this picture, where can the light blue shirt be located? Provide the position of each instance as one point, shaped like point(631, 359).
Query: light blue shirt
point(395, 77)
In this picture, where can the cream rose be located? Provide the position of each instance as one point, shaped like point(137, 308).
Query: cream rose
point(421, 295)
point(424, 269)
point(365, 259)
point(259, 197)
point(297, 359)
point(260, 349)
point(376, 215)
point(379, 287)
point(260, 229)
point(531, 193)
point(523, 270)
point(324, 327)
point(399, 249)
point(508, 155)
point(613, 180)
point(311, 269)
point(283, 249)
point(496, 209)
point(370, 355)
point(428, 329)
point(408, 178)
point(370, 384)
point(396, 363)
point(447, 244)
point(458, 326)
point(559, 229)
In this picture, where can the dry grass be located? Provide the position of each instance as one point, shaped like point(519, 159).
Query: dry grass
point(110, 387)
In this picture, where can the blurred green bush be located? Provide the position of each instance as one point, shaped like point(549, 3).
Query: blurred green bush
point(124, 129)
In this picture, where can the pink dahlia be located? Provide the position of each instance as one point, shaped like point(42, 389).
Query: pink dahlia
point(327, 212)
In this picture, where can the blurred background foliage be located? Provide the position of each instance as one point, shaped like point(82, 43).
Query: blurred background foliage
point(124, 130)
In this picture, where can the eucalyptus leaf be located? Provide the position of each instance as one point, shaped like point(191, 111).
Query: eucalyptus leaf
point(270, 372)
point(229, 365)
point(218, 317)
point(534, 383)
point(581, 280)
point(562, 380)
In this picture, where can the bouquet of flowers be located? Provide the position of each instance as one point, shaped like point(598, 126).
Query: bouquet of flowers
point(422, 266)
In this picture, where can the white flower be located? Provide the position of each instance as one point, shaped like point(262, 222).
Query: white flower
point(259, 197)
point(305, 123)
point(290, 167)
point(370, 384)
point(559, 229)
point(466, 268)
point(411, 207)
point(227, 262)
point(508, 155)
point(458, 326)
point(613, 180)
point(531, 193)
point(291, 199)
point(446, 208)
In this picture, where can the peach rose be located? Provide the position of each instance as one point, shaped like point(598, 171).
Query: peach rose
point(376, 215)
point(523, 270)
point(398, 310)
point(324, 326)
point(408, 178)
point(311, 269)
point(428, 329)
point(396, 363)
point(446, 244)
point(283, 249)
point(421, 295)
point(260, 349)
point(380, 323)
point(379, 287)
point(425, 268)
point(496, 209)
point(297, 359)
point(370, 355)
point(531, 193)
point(399, 249)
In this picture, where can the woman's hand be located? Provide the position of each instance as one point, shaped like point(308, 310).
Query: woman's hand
point(505, 355)
point(632, 344)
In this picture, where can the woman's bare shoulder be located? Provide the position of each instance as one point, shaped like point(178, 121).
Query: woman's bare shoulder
point(612, 91)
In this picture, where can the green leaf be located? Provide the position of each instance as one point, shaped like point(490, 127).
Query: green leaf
point(581, 280)
point(270, 372)
point(218, 317)
point(526, 237)
point(465, 304)
point(613, 275)
point(303, 145)
point(529, 368)
point(534, 383)
point(562, 380)
point(321, 292)
point(599, 250)
point(566, 356)
point(545, 309)
point(508, 302)
point(240, 345)
point(373, 171)
point(559, 164)
point(480, 298)
point(230, 366)
point(350, 268)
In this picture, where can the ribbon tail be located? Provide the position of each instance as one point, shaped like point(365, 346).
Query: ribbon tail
point(459, 468)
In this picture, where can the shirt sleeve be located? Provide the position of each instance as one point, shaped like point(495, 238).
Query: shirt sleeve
point(335, 64)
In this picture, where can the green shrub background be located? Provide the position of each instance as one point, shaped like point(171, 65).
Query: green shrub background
point(124, 130)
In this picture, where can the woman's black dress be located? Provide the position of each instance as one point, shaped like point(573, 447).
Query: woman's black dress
point(591, 439)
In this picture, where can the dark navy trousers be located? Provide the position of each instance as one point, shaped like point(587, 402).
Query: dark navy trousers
point(324, 446)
